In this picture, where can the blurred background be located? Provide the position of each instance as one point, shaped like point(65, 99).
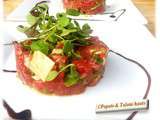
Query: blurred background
point(147, 8)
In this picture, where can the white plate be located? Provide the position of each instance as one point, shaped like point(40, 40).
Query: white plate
point(122, 80)
point(132, 14)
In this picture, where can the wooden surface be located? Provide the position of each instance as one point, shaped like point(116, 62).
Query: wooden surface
point(147, 8)
point(10, 5)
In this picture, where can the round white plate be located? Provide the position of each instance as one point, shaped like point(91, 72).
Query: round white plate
point(122, 80)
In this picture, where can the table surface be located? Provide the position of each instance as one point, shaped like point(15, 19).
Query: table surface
point(147, 8)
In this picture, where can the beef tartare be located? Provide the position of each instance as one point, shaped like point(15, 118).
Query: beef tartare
point(86, 6)
point(59, 56)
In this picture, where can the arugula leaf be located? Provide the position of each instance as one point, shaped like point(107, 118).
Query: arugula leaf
point(62, 20)
point(70, 26)
point(72, 78)
point(35, 12)
point(40, 45)
point(86, 29)
point(73, 12)
point(52, 75)
point(60, 15)
point(43, 6)
point(68, 47)
point(67, 31)
point(77, 25)
point(31, 32)
point(98, 59)
point(51, 19)
point(39, 9)
point(83, 35)
point(41, 2)
point(22, 28)
point(82, 42)
point(52, 38)
point(84, 32)
point(31, 19)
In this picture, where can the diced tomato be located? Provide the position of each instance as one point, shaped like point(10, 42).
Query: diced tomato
point(83, 67)
point(60, 60)
point(60, 45)
point(87, 51)
point(87, 70)
point(102, 55)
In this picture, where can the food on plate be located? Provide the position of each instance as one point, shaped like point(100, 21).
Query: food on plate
point(59, 56)
point(85, 6)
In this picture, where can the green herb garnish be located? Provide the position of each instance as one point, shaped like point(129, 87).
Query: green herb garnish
point(68, 47)
point(73, 12)
point(98, 59)
point(72, 78)
point(48, 30)
point(40, 46)
point(86, 29)
point(44, 32)
point(62, 19)
point(52, 75)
